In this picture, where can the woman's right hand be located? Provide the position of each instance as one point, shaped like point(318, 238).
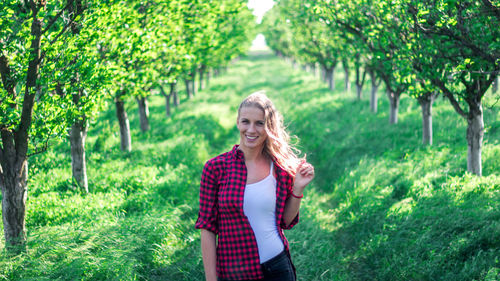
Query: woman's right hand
point(303, 176)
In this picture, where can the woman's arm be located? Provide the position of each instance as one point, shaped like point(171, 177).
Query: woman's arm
point(292, 206)
point(209, 254)
point(304, 175)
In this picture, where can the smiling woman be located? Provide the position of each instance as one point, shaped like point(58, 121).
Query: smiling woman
point(248, 196)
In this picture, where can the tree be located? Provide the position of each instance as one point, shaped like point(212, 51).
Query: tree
point(459, 53)
point(34, 106)
point(125, 48)
point(375, 25)
point(85, 82)
point(310, 40)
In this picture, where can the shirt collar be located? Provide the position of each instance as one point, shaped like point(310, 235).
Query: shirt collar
point(236, 153)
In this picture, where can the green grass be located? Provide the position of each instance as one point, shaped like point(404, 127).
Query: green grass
point(382, 207)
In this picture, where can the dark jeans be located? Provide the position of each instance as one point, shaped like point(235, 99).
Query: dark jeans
point(279, 268)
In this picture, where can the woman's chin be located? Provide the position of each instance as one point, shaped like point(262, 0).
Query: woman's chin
point(251, 144)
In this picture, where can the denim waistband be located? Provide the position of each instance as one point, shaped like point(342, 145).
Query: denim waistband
point(275, 259)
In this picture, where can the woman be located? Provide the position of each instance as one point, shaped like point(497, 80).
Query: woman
point(248, 196)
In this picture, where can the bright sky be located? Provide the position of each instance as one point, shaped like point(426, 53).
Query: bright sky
point(259, 7)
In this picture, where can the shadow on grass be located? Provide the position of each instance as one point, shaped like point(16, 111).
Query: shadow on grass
point(452, 235)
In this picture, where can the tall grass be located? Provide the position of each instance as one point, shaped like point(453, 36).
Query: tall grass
point(382, 207)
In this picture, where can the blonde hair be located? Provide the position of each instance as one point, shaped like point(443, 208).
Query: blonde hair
point(277, 145)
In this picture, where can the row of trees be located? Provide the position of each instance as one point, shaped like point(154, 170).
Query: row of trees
point(419, 47)
point(61, 61)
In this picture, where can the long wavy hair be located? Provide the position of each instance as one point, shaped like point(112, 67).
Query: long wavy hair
point(277, 145)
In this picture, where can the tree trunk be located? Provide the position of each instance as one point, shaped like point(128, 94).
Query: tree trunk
point(312, 68)
point(125, 139)
point(14, 146)
point(188, 88)
point(167, 98)
point(193, 83)
point(494, 86)
point(347, 82)
point(142, 102)
point(77, 138)
point(360, 81)
point(394, 106)
point(330, 79)
point(323, 74)
point(207, 80)
point(475, 133)
point(14, 194)
point(201, 71)
point(373, 95)
point(13, 179)
point(167, 105)
point(176, 97)
point(359, 89)
point(426, 102)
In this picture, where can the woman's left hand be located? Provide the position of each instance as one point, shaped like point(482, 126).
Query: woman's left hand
point(303, 176)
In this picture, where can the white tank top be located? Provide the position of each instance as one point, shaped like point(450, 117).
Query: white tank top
point(259, 205)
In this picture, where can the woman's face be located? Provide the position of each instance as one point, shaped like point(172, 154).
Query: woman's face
point(251, 124)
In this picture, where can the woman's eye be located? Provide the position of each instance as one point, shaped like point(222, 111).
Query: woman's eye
point(244, 121)
point(260, 123)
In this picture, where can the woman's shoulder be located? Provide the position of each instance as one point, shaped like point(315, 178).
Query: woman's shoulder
point(223, 157)
point(219, 160)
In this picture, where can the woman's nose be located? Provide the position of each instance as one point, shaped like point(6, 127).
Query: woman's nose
point(251, 128)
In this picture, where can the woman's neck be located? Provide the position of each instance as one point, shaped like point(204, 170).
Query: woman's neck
point(252, 155)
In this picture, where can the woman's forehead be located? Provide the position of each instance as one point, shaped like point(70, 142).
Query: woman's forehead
point(251, 111)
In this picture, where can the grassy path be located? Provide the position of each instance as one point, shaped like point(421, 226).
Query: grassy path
point(383, 207)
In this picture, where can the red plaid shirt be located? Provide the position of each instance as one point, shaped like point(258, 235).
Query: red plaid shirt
point(221, 211)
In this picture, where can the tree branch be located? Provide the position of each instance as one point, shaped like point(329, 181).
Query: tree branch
point(57, 16)
point(44, 148)
point(446, 32)
point(76, 13)
point(38, 151)
point(488, 82)
point(495, 10)
point(21, 135)
point(61, 32)
point(450, 97)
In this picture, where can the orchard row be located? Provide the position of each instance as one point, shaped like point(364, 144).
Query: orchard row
point(419, 47)
point(61, 61)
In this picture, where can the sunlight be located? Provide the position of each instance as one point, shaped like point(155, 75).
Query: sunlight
point(260, 7)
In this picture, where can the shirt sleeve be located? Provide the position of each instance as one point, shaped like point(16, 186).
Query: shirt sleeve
point(289, 187)
point(207, 215)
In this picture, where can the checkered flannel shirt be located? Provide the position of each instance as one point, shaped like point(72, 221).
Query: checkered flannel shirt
point(222, 190)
